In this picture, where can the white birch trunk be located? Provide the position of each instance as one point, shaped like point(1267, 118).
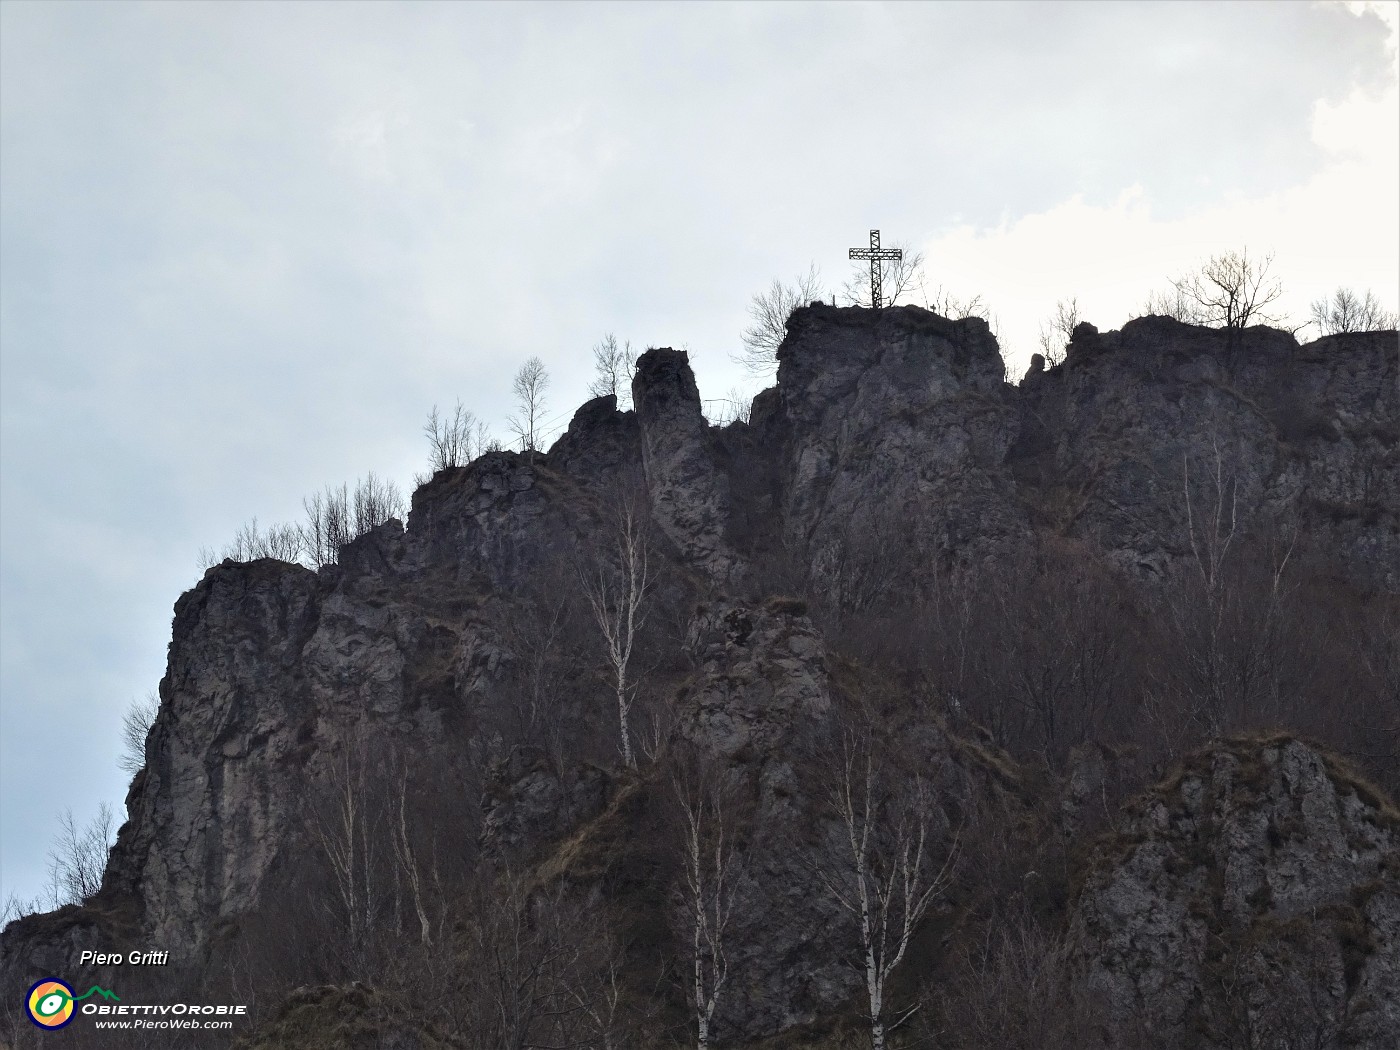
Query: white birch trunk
point(616, 594)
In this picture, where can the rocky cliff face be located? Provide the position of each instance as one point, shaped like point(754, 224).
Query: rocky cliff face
point(1251, 900)
point(762, 699)
point(689, 495)
point(891, 449)
point(1139, 428)
point(894, 432)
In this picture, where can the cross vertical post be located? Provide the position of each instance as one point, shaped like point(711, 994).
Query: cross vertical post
point(875, 253)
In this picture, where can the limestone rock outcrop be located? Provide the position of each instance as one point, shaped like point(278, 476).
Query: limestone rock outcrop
point(761, 700)
point(896, 428)
point(891, 449)
point(689, 494)
point(1251, 899)
point(761, 711)
point(1139, 428)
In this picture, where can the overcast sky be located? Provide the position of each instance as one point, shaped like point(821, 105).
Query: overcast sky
point(244, 248)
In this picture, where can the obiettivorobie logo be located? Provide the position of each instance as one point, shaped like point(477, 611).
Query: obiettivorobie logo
point(50, 1002)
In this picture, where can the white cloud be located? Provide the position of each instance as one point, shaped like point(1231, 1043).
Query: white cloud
point(1339, 227)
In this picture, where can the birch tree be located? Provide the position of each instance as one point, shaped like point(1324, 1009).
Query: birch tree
point(709, 885)
point(529, 386)
point(889, 875)
point(423, 894)
point(1227, 609)
point(345, 829)
point(617, 585)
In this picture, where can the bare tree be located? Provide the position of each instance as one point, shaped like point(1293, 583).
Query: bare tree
point(1227, 614)
point(1202, 677)
point(78, 857)
point(1211, 528)
point(1229, 291)
point(529, 386)
point(655, 731)
point(450, 438)
point(596, 992)
point(17, 907)
point(423, 882)
point(375, 502)
point(1060, 665)
point(946, 304)
point(282, 542)
point(615, 366)
point(708, 893)
point(1014, 989)
point(136, 724)
point(327, 527)
point(736, 407)
point(536, 969)
point(616, 586)
point(769, 312)
point(345, 828)
point(1056, 333)
point(1175, 304)
point(550, 635)
point(740, 406)
point(338, 516)
point(898, 277)
point(1346, 312)
point(888, 881)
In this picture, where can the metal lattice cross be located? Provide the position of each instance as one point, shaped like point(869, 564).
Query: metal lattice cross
point(875, 253)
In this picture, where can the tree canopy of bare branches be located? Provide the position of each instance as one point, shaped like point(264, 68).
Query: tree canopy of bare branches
point(614, 367)
point(334, 517)
point(282, 542)
point(136, 724)
point(956, 308)
point(529, 385)
point(1230, 291)
point(738, 407)
point(453, 440)
point(338, 516)
point(1056, 333)
point(768, 313)
point(1348, 312)
point(345, 827)
point(78, 857)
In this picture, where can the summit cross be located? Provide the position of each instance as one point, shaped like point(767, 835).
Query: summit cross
point(875, 253)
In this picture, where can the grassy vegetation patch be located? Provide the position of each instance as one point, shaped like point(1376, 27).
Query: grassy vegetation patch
point(343, 1017)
